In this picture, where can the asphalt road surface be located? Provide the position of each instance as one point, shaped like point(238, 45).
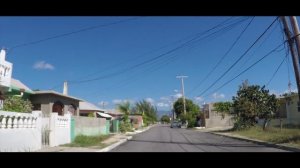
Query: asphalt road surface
point(162, 138)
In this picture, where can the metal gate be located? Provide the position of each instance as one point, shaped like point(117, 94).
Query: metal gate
point(45, 131)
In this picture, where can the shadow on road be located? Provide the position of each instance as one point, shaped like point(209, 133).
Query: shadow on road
point(204, 144)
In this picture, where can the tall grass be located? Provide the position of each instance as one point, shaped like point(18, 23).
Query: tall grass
point(86, 141)
point(273, 134)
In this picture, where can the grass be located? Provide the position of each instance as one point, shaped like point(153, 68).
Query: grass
point(88, 141)
point(288, 136)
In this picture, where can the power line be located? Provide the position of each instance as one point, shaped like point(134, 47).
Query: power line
point(247, 68)
point(222, 58)
point(70, 33)
point(239, 58)
point(172, 58)
point(277, 69)
point(178, 41)
point(144, 62)
point(257, 49)
point(140, 56)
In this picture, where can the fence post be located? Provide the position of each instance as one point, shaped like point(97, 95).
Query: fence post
point(72, 133)
point(67, 124)
point(53, 122)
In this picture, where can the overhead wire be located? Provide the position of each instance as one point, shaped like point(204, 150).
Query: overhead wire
point(141, 63)
point(239, 58)
point(252, 65)
point(222, 58)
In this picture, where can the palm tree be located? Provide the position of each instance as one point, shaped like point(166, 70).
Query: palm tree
point(124, 108)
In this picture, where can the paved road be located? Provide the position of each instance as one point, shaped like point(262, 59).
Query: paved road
point(162, 138)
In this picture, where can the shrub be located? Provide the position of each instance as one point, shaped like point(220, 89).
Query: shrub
point(125, 127)
point(17, 104)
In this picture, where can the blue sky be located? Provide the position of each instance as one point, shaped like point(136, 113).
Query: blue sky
point(112, 49)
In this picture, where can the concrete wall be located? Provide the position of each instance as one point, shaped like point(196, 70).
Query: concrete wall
point(89, 126)
point(293, 115)
point(214, 119)
point(20, 132)
point(274, 122)
point(217, 121)
point(47, 101)
point(60, 129)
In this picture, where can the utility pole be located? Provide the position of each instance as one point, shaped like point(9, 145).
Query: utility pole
point(182, 91)
point(295, 27)
point(293, 52)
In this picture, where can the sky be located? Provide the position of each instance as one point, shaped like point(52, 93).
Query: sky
point(106, 65)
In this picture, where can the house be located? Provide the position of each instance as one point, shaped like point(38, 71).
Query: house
point(8, 85)
point(115, 114)
point(5, 75)
point(19, 88)
point(291, 110)
point(86, 108)
point(214, 119)
point(49, 101)
point(136, 121)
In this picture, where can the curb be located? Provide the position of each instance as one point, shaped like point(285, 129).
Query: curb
point(268, 144)
point(107, 149)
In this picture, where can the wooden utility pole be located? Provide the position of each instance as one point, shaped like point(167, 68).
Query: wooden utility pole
point(182, 92)
point(293, 52)
point(295, 27)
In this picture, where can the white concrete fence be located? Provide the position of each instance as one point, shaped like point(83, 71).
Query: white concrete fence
point(20, 132)
point(60, 131)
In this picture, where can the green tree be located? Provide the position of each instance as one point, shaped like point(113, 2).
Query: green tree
point(17, 104)
point(148, 111)
point(124, 108)
point(252, 102)
point(223, 108)
point(189, 105)
point(192, 111)
point(165, 119)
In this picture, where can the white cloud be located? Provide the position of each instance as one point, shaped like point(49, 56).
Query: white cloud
point(165, 98)
point(218, 96)
point(150, 100)
point(175, 90)
point(118, 101)
point(160, 104)
point(43, 65)
point(177, 95)
point(103, 103)
point(199, 98)
point(292, 90)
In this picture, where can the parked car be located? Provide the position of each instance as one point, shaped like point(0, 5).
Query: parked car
point(176, 124)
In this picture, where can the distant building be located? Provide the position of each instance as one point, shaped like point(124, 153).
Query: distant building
point(86, 108)
point(214, 119)
point(49, 101)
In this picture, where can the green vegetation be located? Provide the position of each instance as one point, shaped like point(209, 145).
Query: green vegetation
point(88, 141)
point(192, 112)
point(91, 115)
point(144, 108)
point(223, 108)
point(273, 134)
point(148, 111)
point(165, 119)
point(17, 104)
point(253, 102)
point(125, 127)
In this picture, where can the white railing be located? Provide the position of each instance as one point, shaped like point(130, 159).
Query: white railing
point(20, 131)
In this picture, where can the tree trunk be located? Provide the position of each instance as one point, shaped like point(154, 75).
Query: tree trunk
point(265, 124)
